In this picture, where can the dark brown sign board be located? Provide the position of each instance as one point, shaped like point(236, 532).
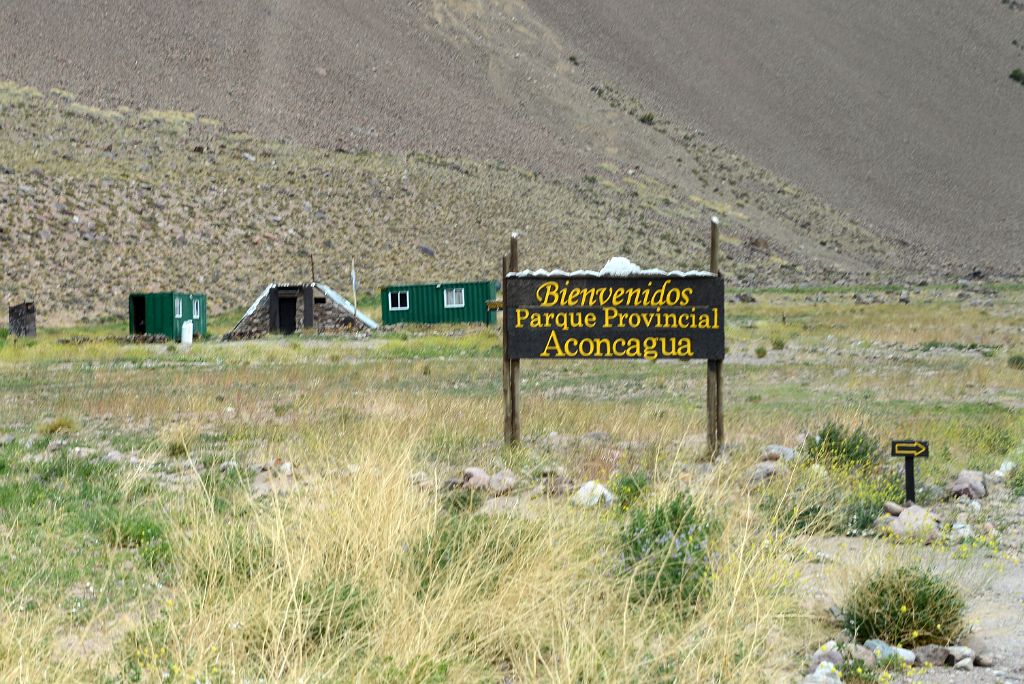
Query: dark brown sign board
point(613, 314)
point(671, 316)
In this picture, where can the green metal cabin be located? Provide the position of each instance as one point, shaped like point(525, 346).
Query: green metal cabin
point(162, 313)
point(439, 303)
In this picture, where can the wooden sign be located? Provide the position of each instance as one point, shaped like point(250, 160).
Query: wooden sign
point(592, 316)
point(913, 448)
point(614, 314)
point(908, 450)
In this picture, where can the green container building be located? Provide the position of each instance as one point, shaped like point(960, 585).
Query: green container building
point(162, 313)
point(439, 303)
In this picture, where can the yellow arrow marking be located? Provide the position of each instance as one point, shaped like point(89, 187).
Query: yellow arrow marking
point(910, 448)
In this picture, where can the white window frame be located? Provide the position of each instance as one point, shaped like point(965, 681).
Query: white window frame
point(177, 308)
point(195, 309)
point(458, 295)
point(398, 295)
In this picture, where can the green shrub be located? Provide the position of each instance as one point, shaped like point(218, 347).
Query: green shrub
point(1017, 75)
point(647, 119)
point(1016, 480)
point(628, 487)
point(906, 605)
point(778, 344)
point(667, 551)
point(833, 498)
point(1016, 362)
point(761, 352)
point(139, 531)
point(835, 443)
point(59, 424)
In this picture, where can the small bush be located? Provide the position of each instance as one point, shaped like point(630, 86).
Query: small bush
point(1016, 362)
point(835, 443)
point(647, 119)
point(1017, 75)
point(906, 605)
point(628, 487)
point(761, 352)
point(1016, 480)
point(59, 424)
point(778, 344)
point(667, 551)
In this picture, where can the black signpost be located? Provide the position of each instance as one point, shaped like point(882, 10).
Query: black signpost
point(909, 449)
point(633, 314)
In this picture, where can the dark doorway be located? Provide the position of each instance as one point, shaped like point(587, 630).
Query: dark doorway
point(286, 314)
point(138, 315)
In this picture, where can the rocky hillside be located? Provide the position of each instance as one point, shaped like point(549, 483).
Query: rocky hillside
point(903, 116)
point(95, 203)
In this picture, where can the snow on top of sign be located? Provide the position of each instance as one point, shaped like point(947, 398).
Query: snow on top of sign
point(616, 267)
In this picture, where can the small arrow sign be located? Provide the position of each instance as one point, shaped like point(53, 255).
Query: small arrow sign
point(909, 448)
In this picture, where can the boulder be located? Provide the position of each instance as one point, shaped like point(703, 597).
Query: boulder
point(863, 654)
point(964, 664)
point(969, 483)
point(591, 494)
point(986, 659)
point(828, 653)
point(892, 508)
point(916, 523)
point(475, 478)
point(932, 654)
point(825, 673)
point(763, 471)
point(502, 482)
point(777, 452)
point(958, 653)
point(501, 505)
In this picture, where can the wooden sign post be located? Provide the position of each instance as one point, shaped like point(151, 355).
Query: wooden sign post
point(908, 450)
point(621, 312)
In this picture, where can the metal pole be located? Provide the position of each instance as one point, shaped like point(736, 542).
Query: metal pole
point(908, 467)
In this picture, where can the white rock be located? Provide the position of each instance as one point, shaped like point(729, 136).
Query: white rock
point(475, 478)
point(961, 532)
point(591, 494)
point(965, 664)
point(764, 471)
point(826, 673)
point(916, 522)
point(502, 482)
point(777, 452)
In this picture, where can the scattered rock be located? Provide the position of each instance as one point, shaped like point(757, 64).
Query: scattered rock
point(863, 654)
point(905, 655)
point(1004, 471)
point(958, 653)
point(555, 482)
point(763, 471)
point(6, 439)
point(965, 664)
point(892, 508)
point(777, 452)
point(932, 653)
point(276, 479)
point(502, 482)
point(475, 478)
point(905, 297)
point(825, 673)
point(228, 466)
point(961, 532)
point(969, 483)
point(828, 653)
point(501, 504)
point(591, 494)
point(884, 651)
point(82, 452)
point(916, 523)
point(986, 659)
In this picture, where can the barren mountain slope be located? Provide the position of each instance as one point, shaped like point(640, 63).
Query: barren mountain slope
point(903, 114)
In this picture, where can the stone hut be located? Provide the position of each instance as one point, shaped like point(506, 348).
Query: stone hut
point(286, 308)
point(22, 320)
